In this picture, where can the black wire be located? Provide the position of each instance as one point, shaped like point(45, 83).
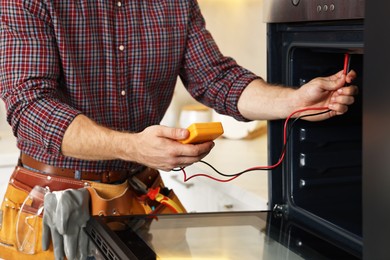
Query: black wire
point(259, 168)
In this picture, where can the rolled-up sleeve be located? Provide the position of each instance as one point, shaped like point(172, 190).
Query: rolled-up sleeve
point(211, 78)
point(29, 74)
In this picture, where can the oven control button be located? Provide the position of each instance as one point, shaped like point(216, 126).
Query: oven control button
point(325, 8)
point(319, 8)
point(331, 7)
point(295, 2)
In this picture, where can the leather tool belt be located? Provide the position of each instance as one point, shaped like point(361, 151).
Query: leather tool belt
point(101, 176)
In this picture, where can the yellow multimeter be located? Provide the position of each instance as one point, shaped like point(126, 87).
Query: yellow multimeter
point(203, 132)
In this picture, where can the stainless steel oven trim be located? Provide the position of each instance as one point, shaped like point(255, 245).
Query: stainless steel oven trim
point(280, 11)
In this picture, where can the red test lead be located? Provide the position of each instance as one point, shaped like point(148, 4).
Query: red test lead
point(347, 61)
point(259, 168)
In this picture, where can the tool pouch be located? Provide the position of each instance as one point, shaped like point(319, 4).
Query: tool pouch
point(162, 209)
point(122, 199)
point(21, 183)
point(115, 200)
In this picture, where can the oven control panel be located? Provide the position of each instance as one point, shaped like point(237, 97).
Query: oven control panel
point(277, 11)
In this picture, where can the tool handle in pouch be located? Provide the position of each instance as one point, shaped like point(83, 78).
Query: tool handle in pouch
point(27, 220)
point(154, 194)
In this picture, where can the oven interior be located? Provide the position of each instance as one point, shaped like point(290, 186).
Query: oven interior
point(320, 181)
point(324, 158)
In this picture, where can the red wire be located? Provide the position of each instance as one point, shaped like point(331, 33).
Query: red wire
point(281, 158)
point(207, 176)
point(346, 63)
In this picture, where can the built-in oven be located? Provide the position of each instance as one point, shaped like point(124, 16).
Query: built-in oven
point(319, 185)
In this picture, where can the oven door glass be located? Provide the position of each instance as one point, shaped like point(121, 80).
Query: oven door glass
point(228, 235)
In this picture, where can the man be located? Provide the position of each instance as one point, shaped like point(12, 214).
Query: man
point(86, 84)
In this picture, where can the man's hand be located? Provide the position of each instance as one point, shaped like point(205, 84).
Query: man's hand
point(264, 101)
point(333, 92)
point(158, 147)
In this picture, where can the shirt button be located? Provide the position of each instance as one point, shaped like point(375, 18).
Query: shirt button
point(121, 48)
point(123, 92)
point(119, 4)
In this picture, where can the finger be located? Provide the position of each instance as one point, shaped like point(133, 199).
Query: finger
point(336, 76)
point(338, 108)
point(185, 155)
point(349, 90)
point(344, 100)
point(350, 76)
point(333, 82)
point(204, 155)
point(183, 162)
point(188, 160)
point(343, 96)
point(196, 150)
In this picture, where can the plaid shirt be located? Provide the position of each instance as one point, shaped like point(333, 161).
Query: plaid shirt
point(115, 61)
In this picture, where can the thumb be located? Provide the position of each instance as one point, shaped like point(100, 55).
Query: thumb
point(334, 82)
point(174, 133)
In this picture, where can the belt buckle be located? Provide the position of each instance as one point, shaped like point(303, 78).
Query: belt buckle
point(113, 176)
point(136, 170)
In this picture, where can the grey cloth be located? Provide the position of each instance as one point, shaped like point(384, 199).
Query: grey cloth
point(65, 215)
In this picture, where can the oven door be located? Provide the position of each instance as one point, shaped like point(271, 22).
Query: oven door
point(319, 184)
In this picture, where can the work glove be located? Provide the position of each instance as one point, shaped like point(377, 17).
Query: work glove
point(65, 215)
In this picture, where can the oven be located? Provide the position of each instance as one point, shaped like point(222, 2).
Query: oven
point(319, 185)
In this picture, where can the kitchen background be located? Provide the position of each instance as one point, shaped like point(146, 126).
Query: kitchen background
point(239, 31)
